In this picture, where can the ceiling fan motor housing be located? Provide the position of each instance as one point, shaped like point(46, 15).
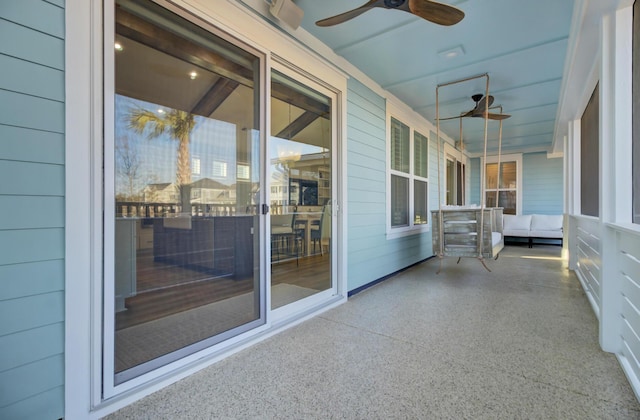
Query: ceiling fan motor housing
point(392, 4)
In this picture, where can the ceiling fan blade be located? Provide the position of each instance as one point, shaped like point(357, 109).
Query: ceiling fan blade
point(343, 17)
point(498, 116)
point(466, 114)
point(439, 13)
point(491, 116)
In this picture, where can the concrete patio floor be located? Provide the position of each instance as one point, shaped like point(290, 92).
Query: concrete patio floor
point(520, 342)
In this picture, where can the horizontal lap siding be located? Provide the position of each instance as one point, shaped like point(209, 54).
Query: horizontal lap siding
point(628, 263)
point(32, 203)
point(371, 255)
point(541, 184)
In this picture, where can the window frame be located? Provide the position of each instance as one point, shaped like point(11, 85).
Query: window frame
point(517, 158)
point(414, 126)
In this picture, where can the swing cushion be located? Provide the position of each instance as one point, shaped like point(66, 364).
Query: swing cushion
point(496, 237)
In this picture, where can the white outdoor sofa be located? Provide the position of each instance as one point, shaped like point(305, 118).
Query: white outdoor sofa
point(532, 227)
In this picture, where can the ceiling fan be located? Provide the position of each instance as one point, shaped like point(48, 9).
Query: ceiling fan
point(435, 12)
point(479, 110)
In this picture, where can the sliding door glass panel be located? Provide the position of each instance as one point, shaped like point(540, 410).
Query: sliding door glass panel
point(186, 171)
point(300, 167)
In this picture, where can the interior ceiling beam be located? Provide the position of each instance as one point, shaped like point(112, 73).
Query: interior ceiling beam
point(139, 30)
point(215, 96)
point(297, 125)
point(143, 32)
point(291, 96)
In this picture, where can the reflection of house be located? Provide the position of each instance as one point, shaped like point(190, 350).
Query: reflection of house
point(208, 191)
point(164, 193)
point(303, 181)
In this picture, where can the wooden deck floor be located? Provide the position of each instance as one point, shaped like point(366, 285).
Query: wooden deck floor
point(165, 289)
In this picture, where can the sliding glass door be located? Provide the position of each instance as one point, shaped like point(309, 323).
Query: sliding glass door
point(300, 167)
point(182, 182)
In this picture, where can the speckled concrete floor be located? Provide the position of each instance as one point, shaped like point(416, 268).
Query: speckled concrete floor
point(520, 342)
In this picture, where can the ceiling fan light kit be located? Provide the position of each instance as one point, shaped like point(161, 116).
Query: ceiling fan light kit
point(441, 14)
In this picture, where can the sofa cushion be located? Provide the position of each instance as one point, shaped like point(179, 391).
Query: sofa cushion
point(544, 222)
point(516, 225)
point(546, 226)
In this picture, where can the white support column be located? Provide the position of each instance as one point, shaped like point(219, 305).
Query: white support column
point(615, 185)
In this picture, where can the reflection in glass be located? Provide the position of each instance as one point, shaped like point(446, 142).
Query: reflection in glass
point(507, 200)
point(451, 179)
point(400, 141)
point(508, 186)
point(507, 175)
point(300, 156)
point(186, 170)
point(420, 205)
point(399, 201)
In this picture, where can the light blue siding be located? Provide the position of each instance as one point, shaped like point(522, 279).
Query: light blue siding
point(28, 245)
point(31, 178)
point(31, 45)
point(31, 312)
point(33, 145)
point(26, 212)
point(13, 387)
point(32, 203)
point(26, 346)
point(371, 255)
point(35, 278)
point(36, 14)
point(27, 78)
point(21, 110)
point(541, 184)
point(45, 405)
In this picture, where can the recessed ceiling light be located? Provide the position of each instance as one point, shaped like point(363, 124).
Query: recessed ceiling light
point(450, 53)
point(193, 75)
point(118, 46)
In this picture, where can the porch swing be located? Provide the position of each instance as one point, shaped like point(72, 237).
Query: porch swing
point(468, 231)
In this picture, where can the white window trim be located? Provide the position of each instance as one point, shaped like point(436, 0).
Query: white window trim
point(414, 125)
point(516, 157)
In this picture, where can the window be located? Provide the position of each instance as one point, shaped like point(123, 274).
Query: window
point(243, 171)
point(219, 169)
point(508, 192)
point(408, 178)
point(195, 166)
